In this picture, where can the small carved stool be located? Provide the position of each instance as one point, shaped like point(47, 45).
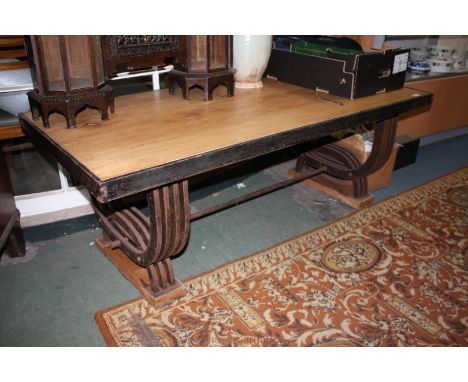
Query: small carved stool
point(206, 81)
point(70, 104)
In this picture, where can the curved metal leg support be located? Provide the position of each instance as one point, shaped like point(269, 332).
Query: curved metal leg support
point(152, 241)
point(343, 164)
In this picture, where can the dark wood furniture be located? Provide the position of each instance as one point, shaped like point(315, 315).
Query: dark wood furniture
point(207, 64)
point(12, 48)
point(11, 235)
point(155, 142)
point(125, 53)
point(68, 75)
point(10, 131)
point(9, 126)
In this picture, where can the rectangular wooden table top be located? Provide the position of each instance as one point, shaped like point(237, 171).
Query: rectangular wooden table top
point(154, 138)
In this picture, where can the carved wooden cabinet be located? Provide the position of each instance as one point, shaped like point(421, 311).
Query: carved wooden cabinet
point(124, 53)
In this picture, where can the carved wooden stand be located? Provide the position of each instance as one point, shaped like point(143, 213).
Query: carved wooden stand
point(70, 104)
point(151, 242)
point(341, 163)
point(207, 81)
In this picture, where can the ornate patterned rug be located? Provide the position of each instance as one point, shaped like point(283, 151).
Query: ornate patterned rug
point(394, 274)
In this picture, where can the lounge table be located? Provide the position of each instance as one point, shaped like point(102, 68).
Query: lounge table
point(154, 142)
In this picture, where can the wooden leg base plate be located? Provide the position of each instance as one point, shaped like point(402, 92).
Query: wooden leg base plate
point(336, 194)
point(138, 276)
point(175, 291)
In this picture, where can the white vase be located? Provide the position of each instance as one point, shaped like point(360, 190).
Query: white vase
point(250, 59)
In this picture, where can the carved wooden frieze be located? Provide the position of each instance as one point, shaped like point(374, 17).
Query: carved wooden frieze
point(133, 52)
point(135, 45)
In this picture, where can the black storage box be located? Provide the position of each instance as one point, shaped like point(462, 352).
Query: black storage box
point(342, 74)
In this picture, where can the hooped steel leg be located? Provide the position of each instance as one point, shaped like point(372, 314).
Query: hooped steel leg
point(151, 241)
point(343, 164)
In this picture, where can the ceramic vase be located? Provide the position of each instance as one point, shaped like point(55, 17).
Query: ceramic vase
point(250, 59)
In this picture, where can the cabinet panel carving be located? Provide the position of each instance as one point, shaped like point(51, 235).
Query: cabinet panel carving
point(123, 53)
point(122, 45)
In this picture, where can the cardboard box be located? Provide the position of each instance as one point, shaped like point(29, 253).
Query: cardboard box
point(342, 74)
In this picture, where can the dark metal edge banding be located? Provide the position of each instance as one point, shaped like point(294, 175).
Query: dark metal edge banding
point(80, 172)
point(185, 168)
